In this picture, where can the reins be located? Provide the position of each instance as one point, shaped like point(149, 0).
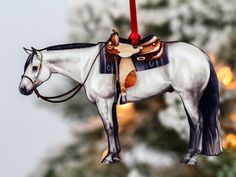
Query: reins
point(74, 90)
point(51, 99)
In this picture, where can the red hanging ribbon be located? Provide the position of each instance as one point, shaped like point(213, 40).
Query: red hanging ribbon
point(134, 36)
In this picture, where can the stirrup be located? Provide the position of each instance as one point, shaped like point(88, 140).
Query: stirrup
point(122, 99)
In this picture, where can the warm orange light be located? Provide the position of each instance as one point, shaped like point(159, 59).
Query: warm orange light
point(126, 115)
point(232, 85)
point(230, 141)
point(104, 154)
point(212, 57)
point(125, 106)
point(126, 110)
point(233, 117)
point(225, 75)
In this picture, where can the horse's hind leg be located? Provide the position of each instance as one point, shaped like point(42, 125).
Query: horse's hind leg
point(195, 120)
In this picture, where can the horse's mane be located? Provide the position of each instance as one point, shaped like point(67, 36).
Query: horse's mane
point(69, 46)
point(57, 47)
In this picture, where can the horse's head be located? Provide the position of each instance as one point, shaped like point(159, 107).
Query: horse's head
point(35, 72)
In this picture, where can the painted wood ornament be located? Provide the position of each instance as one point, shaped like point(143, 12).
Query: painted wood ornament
point(120, 70)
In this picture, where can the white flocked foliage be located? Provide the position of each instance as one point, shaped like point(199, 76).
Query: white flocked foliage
point(93, 20)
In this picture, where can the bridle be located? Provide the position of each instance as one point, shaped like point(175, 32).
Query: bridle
point(72, 92)
point(39, 70)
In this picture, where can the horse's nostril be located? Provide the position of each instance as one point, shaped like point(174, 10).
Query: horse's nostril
point(23, 90)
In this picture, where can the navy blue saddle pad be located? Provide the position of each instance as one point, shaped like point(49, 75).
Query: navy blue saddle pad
point(108, 67)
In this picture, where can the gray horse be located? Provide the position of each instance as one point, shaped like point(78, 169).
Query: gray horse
point(189, 73)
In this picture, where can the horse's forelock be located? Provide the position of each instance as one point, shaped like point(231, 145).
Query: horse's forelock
point(29, 60)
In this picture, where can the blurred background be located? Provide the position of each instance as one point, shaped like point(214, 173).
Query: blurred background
point(67, 140)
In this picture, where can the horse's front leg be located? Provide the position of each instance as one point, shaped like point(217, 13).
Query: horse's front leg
point(106, 108)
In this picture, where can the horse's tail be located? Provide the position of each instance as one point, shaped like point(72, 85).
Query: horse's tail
point(209, 107)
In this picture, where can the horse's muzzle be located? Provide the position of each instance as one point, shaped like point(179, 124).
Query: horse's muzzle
point(23, 90)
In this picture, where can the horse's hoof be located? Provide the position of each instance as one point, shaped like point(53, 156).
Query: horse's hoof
point(185, 159)
point(190, 158)
point(116, 158)
point(188, 161)
point(192, 162)
point(111, 158)
point(107, 160)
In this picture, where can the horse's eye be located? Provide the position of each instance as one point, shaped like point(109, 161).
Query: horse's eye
point(35, 68)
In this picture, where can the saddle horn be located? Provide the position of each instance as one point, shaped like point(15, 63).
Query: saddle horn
point(115, 38)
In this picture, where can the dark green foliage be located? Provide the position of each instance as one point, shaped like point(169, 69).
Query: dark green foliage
point(156, 4)
point(155, 135)
point(228, 51)
point(50, 173)
point(80, 107)
point(121, 21)
point(162, 31)
point(227, 164)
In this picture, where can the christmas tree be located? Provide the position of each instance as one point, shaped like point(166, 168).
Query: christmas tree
point(154, 133)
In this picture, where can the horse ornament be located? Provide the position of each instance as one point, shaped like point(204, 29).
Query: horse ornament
point(117, 72)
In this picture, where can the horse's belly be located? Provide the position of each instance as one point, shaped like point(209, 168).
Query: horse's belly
point(149, 83)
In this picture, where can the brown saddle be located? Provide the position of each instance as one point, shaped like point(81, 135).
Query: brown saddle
point(122, 52)
point(150, 48)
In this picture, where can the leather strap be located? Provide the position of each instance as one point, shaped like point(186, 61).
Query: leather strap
point(51, 99)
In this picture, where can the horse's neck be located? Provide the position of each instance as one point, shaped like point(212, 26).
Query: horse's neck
point(73, 63)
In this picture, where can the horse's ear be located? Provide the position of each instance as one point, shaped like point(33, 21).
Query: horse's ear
point(27, 50)
point(38, 54)
point(33, 49)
